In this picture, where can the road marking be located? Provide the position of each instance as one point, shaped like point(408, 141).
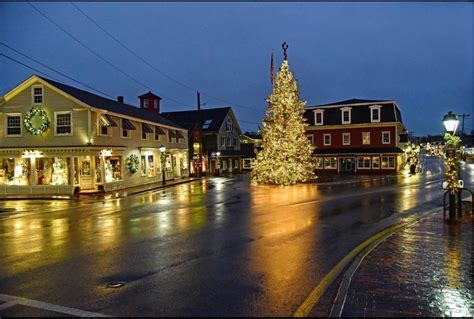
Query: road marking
point(307, 306)
point(47, 306)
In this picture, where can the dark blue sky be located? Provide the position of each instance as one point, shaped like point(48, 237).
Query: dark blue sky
point(420, 55)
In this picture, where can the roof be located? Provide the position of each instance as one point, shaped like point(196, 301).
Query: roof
point(150, 95)
point(354, 101)
point(189, 119)
point(357, 151)
point(100, 102)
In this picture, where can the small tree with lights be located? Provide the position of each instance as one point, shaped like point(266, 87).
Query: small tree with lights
point(285, 158)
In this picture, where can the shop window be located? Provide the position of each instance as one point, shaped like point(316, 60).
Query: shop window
point(388, 162)
point(113, 168)
point(15, 171)
point(52, 171)
point(363, 162)
point(13, 124)
point(375, 162)
point(184, 162)
point(319, 162)
point(330, 162)
point(63, 121)
point(143, 165)
point(37, 94)
point(151, 166)
point(366, 138)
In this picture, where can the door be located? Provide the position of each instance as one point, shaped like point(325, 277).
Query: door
point(85, 173)
point(347, 165)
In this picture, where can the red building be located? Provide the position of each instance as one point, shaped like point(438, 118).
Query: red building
point(357, 136)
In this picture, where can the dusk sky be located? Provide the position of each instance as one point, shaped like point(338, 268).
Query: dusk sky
point(420, 55)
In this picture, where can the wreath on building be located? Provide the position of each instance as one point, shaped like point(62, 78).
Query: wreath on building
point(133, 163)
point(44, 121)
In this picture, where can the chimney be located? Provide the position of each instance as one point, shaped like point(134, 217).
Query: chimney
point(120, 99)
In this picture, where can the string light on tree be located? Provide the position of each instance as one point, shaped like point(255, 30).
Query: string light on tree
point(285, 158)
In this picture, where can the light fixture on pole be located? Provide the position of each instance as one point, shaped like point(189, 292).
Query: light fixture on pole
point(163, 163)
point(450, 122)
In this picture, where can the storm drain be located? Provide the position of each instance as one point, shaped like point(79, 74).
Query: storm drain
point(115, 284)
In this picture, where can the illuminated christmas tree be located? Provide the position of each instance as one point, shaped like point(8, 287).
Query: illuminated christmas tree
point(285, 158)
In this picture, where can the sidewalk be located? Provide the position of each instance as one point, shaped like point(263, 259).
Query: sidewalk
point(423, 270)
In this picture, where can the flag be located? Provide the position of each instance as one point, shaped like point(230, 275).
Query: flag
point(271, 69)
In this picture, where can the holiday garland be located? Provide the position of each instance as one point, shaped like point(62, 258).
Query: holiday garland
point(44, 118)
point(133, 163)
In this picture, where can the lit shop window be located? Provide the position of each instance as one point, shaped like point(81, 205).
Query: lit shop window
point(143, 165)
point(375, 162)
point(330, 162)
point(319, 162)
point(151, 166)
point(363, 162)
point(15, 171)
point(388, 161)
point(113, 168)
point(98, 174)
point(183, 161)
point(52, 171)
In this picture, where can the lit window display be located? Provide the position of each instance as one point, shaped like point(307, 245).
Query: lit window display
point(183, 162)
point(52, 171)
point(113, 168)
point(151, 166)
point(143, 165)
point(15, 171)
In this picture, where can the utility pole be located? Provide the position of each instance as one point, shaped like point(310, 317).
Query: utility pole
point(462, 124)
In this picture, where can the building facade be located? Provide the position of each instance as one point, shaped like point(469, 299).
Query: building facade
point(214, 136)
point(357, 137)
point(58, 139)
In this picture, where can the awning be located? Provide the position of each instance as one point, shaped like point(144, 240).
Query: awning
point(107, 120)
point(172, 133)
point(146, 128)
point(179, 135)
point(127, 125)
point(159, 130)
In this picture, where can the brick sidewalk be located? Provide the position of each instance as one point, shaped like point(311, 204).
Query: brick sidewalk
point(424, 270)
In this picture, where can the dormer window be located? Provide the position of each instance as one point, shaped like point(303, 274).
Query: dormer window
point(375, 113)
point(37, 94)
point(155, 104)
point(346, 115)
point(318, 117)
point(145, 103)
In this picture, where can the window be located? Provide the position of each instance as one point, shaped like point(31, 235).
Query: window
point(388, 161)
point(228, 124)
point(144, 133)
point(157, 134)
point(310, 139)
point(346, 115)
point(318, 117)
point(375, 113)
point(52, 171)
point(151, 166)
point(206, 124)
point(319, 162)
point(37, 94)
point(125, 132)
point(229, 141)
point(145, 103)
point(327, 139)
point(363, 162)
point(113, 168)
point(223, 141)
point(155, 104)
point(385, 137)
point(143, 165)
point(15, 171)
point(346, 138)
point(13, 124)
point(375, 162)
point(330, 162)
point(63, 122)
point(235, 142)
point(366, 138)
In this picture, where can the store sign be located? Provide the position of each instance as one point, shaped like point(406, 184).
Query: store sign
point(106, 152)
point(32, 154)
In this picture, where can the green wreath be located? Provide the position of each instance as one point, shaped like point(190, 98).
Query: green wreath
point(133, 163)
point(44, 121)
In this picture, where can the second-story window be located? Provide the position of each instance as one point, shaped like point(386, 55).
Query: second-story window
point(310, 139)
point(223, 141)
point(327, 139)
point(385, 137)
point(346, 138)
point(63, 122)
point(228, 125)
point(13, 124)
point(37, 91)
point(366, 138)
point(157, 134)
point(145, 103)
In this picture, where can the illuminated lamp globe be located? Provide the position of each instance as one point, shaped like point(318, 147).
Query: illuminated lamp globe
point(450, 122)
point(162, 149)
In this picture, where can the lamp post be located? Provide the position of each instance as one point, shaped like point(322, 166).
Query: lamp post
point(451, 122)
point(217, 164)
point(163, 163)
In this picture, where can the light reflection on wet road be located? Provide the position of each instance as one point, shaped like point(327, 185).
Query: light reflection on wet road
point(212, 247)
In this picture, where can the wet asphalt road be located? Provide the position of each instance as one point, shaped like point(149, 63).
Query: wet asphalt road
point(213, 247)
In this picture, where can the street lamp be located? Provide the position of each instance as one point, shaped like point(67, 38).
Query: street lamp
point(163, 163)
point(451, 122)
point(218, 165)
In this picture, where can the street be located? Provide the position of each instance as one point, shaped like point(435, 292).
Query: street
point(215, 247)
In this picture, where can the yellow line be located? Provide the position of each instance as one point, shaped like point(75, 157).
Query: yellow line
point(308, 305)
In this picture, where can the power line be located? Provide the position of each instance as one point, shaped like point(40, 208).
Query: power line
point(100, 56)
point(149, 64)
point(54, 70)
point(29, 67)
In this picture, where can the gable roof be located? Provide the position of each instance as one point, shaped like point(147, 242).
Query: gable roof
point(103, 103)
point(352, 101)
point(189, 119)
point(150, 95)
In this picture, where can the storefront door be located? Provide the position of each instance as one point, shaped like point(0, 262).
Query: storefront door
point(347, 165)
point(85, 173)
